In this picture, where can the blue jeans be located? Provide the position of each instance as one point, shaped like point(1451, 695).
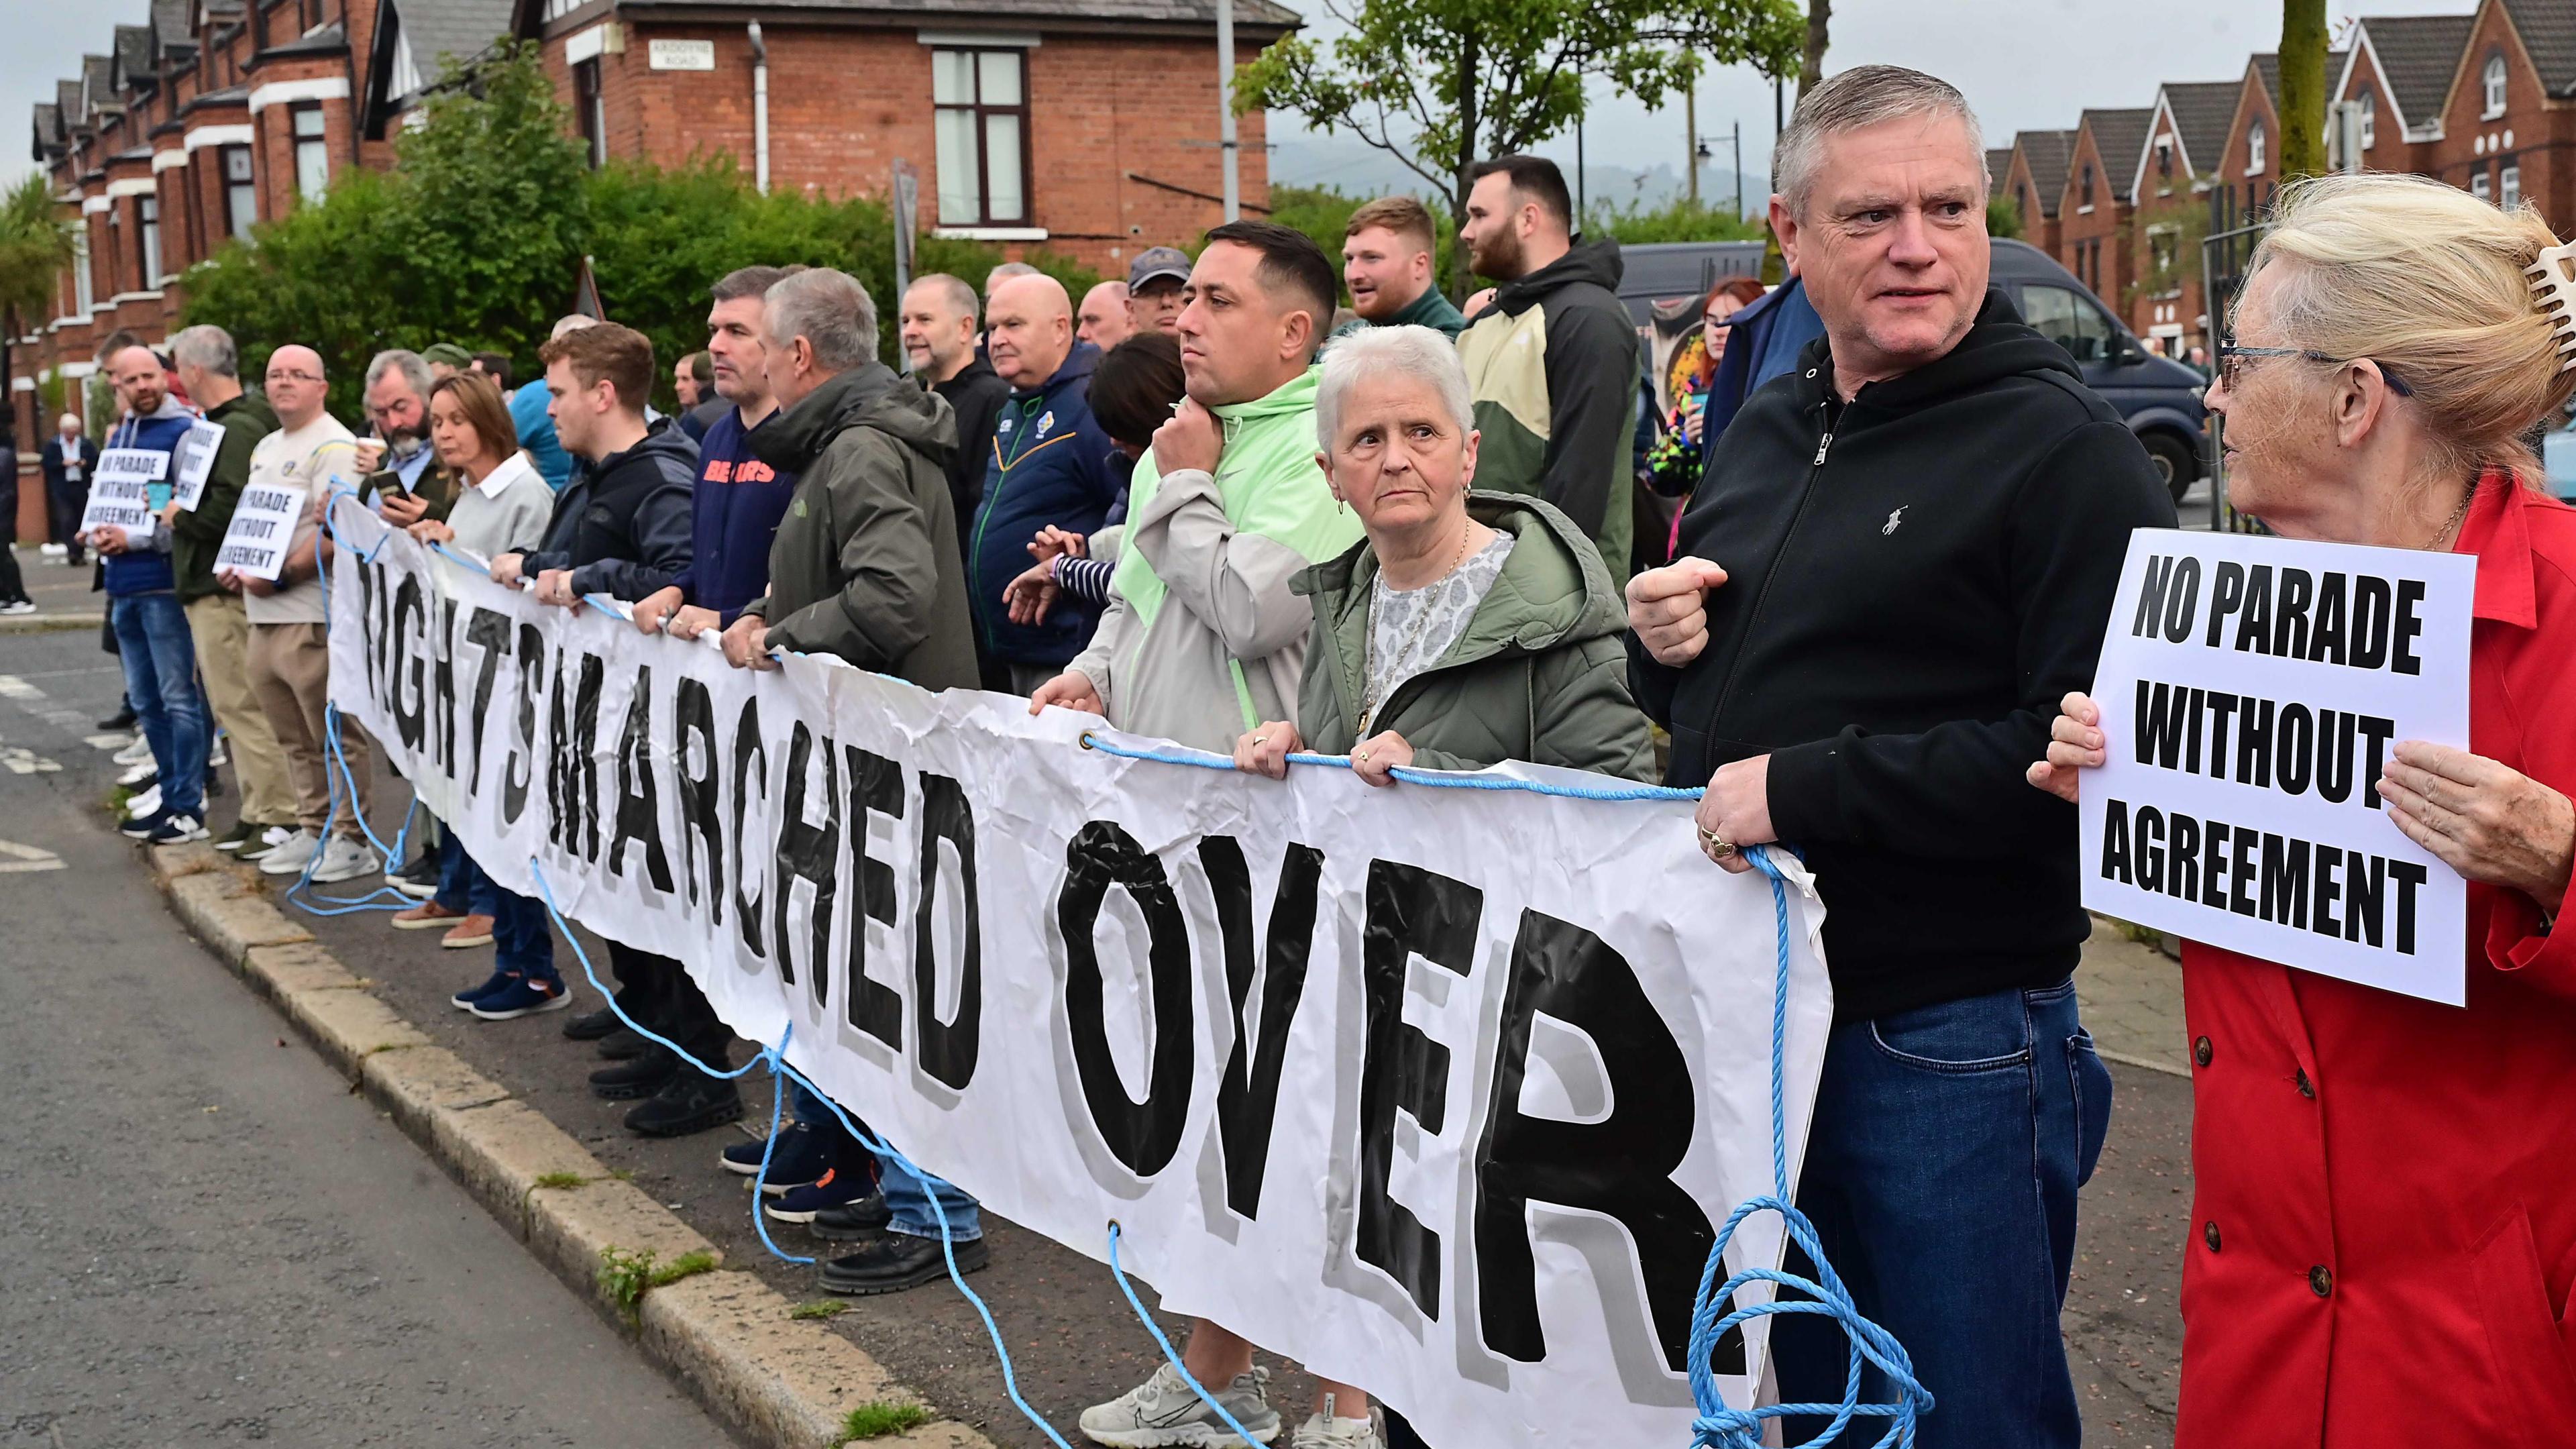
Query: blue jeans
point(522, 938)
point(908, 1196)
point(160, 659)
point(1941, 1172)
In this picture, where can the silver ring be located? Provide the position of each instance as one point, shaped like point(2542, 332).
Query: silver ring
point(1257, 739)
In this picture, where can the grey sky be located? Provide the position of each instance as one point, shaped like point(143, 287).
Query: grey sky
point(2023, 63)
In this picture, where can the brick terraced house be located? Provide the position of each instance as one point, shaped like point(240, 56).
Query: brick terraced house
point(1089, 127)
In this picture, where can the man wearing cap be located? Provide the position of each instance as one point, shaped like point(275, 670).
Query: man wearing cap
point(445, 360)
point(1154, 283)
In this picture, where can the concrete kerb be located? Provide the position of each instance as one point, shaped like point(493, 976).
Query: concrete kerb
point(723, 1333)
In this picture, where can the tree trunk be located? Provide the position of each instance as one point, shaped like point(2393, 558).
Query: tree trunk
point(1811, 69)
point(2302, 100)
point(1469, 124)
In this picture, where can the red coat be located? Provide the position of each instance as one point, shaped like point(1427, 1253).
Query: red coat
point(2384, 1218)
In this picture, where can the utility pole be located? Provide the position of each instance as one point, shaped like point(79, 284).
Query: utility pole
point(1225, 138)
point(1690, 138)
point(1739, 171)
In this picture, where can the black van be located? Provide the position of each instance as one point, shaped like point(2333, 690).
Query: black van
point(2159, 397)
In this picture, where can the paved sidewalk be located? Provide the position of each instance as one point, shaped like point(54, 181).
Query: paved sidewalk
point(2132, 997)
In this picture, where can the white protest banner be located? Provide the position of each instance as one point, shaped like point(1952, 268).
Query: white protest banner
point(263, 528)
point(2250, 689)
point(195, 459)
point(1444, 1092)
point(120, 492)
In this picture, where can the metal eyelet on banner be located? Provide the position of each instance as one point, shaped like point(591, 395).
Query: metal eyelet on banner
point(1086, 739)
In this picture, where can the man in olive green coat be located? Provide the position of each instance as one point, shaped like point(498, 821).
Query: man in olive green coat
point(863, 566)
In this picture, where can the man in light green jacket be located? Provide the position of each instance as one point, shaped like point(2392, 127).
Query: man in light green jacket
point(1203, 637)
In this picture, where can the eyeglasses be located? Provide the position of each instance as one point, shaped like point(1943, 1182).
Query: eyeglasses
point(2230, 367)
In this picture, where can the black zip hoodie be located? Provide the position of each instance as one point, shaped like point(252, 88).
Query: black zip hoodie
point(625, 526)
point(1914, 579)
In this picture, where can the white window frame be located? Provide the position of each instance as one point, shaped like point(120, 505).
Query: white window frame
point(984, 114)
point(2254, 157)
point(2509, 186)
point(312, 153)
point(241, 195)
point(2494, 84)
point(2479, 187)
point(2369, 119)
point(147, 238)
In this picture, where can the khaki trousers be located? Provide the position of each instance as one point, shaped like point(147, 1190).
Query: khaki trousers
point(221, 629)
point(290, 671)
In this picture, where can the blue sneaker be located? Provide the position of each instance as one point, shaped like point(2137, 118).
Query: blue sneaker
point(522, 996)
point(797, 1162)
point(464, 1000)
point(835, 1188)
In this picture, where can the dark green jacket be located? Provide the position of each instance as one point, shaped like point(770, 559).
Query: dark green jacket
point(1540, 673)
point(1432, 309)
point(864, 565)
point(197, 537)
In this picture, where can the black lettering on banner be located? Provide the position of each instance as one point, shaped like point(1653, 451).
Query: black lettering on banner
point(368, 586)
point(442, 689)
point(2185, 855)
point(2366, 893)
point(572, 773)
point(2322, 919)
point(1620, 1166)
point(2409, 628)
point(489, 631)
point(2254, 626)
point(2375, 733)
point(519, 768)
point(876, 788)
point(2284, 899)
point(380, 627)
point(2254, 743)
point(1101, 857)
point(2164, 712)
point(639, 807)
point(2151, 844)
point(810, 853)
point(1247, 1094)
point(2334, 755)
point(2115, 841)
point(2370, 609)
point(2290, 630)
point(1411, 912)
point(948, 1050)
point(747, 746)
point(2326, 640)
point(2227, 592)
point(2213, 874)
point(702, 846)
point(2408, 876)
point(2168, 599)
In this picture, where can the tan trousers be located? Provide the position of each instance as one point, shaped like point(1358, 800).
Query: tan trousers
point(221, 630)
point(290, 671)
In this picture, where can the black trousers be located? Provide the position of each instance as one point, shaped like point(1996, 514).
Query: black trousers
point(70, 500)
point(13, 585)
point(657, 991)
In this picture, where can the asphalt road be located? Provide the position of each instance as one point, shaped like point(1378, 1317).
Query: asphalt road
point(205, 1239)
point(1072, 1338)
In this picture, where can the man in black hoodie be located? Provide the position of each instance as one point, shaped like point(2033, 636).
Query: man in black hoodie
point(1901, 559)
point(1552, 362)
point(623, 527)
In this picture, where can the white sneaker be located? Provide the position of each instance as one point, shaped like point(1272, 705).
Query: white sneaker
point(19, 606)
point(141, 772)
point(215, 752)
point(1335, 1432)
point(288, 856)
point(146, 804)
point(52, 550)
point(346, 859)
point(1162, 1411)
point(137, 753)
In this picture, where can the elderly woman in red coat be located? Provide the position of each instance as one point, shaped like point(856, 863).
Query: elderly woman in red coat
point(2384, 1226)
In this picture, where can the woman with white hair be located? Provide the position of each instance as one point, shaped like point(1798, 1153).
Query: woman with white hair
point(1465, 629)
point(2383, 1234)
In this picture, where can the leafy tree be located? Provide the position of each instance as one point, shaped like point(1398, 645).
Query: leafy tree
point(1677, 220)
point(2303, 87)
point(1442, 84)
point(35, 246)
point(2002, 217)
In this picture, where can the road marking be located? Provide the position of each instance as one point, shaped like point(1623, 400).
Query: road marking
point(107, 742)
point(22, 858)
point(33, 701)
point(19, 760)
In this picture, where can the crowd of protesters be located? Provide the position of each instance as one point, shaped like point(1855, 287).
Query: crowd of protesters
point(1187, 503)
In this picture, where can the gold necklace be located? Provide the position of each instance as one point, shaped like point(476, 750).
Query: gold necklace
point(1369, 700)
point(2458, 515)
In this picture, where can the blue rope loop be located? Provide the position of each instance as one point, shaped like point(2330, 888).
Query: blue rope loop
point(382, 898)
point(1718, 1425)
point(1444, 779)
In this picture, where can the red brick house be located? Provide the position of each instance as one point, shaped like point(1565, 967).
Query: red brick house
point(2095, 214)
point(2393, 90)
point(2249, 165)
point(2507, 128)
point(2036, 180)
point(1025, 120)
point(2185, 137)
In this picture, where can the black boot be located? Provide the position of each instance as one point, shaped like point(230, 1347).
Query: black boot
point(691, 1102)
point(590, 1025)
point(852, 1222)
point(624, 1045)
point(893, 1262)
point(642, 1077)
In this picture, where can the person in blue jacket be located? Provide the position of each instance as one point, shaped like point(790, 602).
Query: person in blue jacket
point(1049, 468)
point(1763, 341)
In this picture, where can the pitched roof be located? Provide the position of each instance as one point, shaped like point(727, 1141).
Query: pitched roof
point(134, 60)
point(1258, 14)
point(67, 104)
point(49, 130)
point(1998, 162)
point(2201, 113)
point(2268, 64)
point(330, 39)
point(172, 27)
point(2548, 31)
point(96, 84)
point(461, 28)
point(2417, 56)
point(2120, 136)
point(2046, 154)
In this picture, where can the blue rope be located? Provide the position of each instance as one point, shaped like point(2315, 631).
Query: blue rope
point(1165, 1343)
point(1718, 1425)
point(382, 898)
point(777, 1062)
point(1445, 779)
point(768, 1146)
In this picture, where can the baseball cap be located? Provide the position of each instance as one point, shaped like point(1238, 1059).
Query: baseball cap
point(447, 352)
point(1155, 262)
